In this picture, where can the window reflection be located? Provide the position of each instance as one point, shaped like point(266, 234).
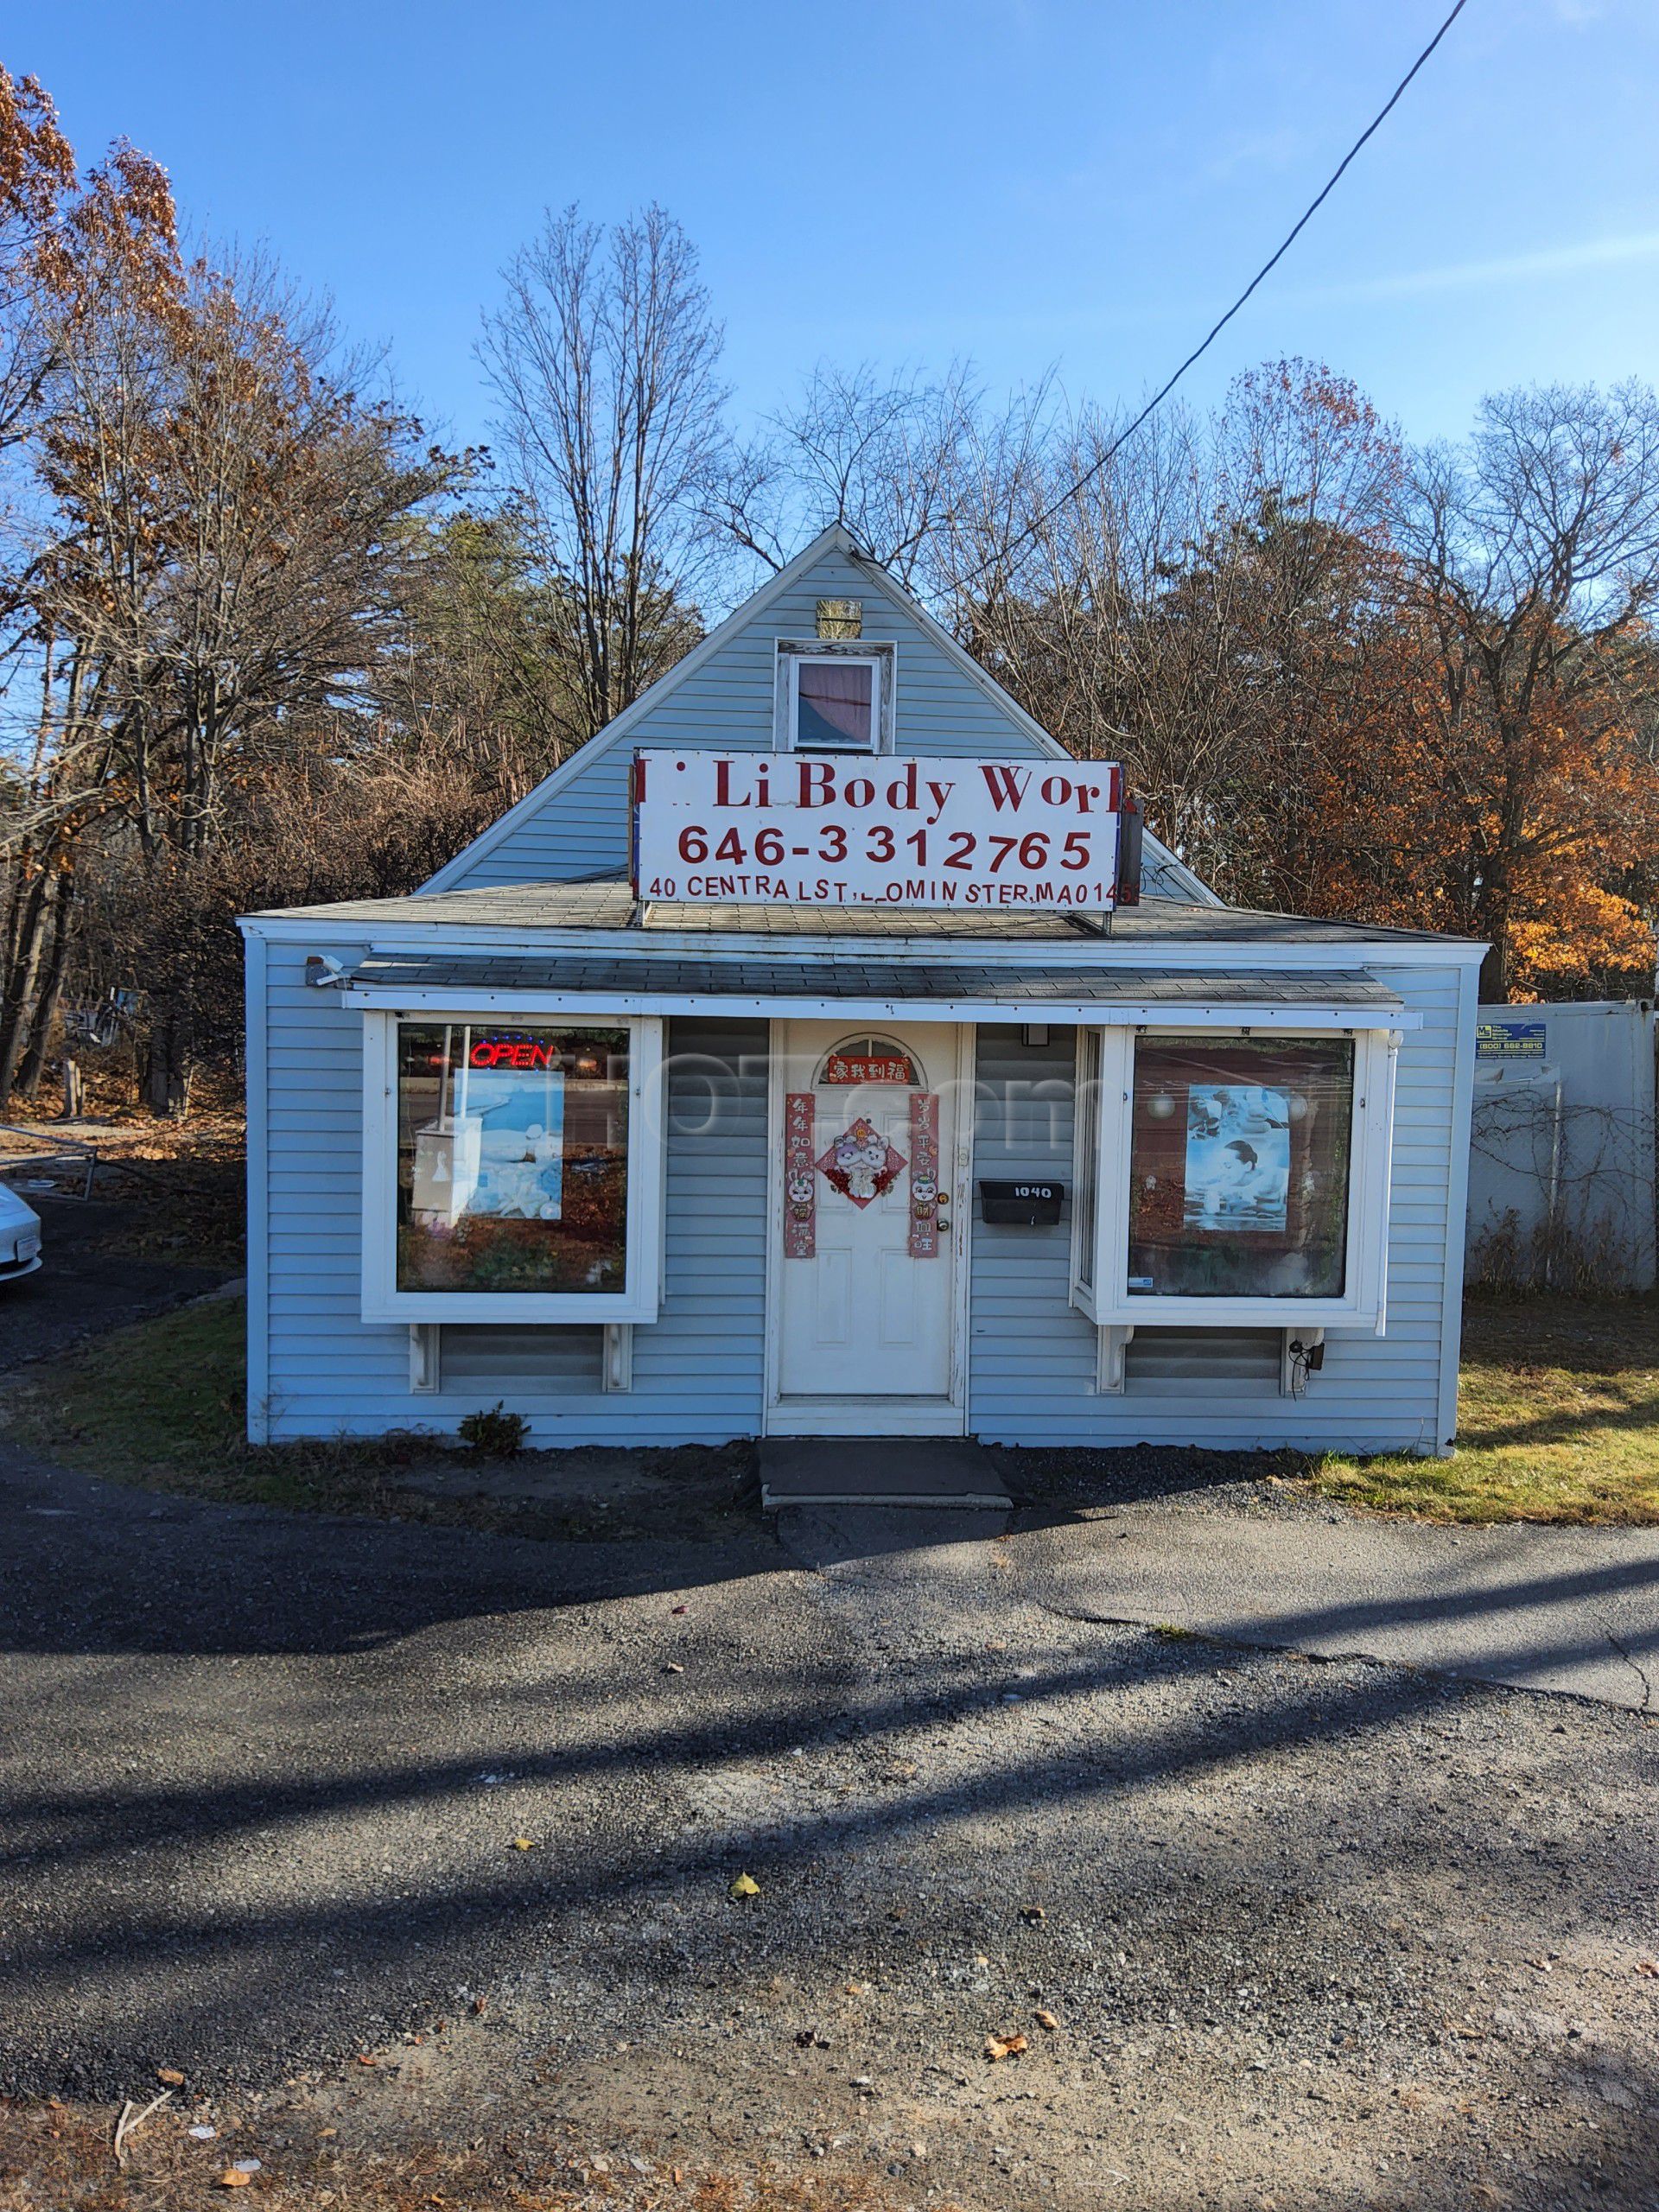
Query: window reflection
point(512, 1147)
point(1239, 1168)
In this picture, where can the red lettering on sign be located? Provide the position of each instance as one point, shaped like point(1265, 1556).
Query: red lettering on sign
point(1006, 785)
point(509, 1053)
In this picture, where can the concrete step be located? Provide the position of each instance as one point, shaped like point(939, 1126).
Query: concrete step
point(909, 1471)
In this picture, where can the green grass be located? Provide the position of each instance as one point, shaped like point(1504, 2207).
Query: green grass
point(166, 1394)
point(161, 1405)
point(1558, 1420)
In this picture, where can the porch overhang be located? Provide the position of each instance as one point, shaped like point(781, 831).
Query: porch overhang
point(861, 990)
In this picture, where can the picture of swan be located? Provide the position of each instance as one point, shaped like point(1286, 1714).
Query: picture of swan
point(1237, 1157)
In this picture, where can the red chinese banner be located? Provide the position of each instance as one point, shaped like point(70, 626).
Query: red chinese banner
point(800, 1178)
point(924, 1175)
point(859, 1067)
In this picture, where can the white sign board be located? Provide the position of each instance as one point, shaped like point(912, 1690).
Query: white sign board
point(854, 830)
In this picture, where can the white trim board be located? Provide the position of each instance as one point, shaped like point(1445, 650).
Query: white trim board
point(258, 1197)
point(835, 539)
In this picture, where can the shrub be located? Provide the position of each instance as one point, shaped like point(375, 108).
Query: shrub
point(496, 1435)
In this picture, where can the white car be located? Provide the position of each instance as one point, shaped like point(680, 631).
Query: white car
point(20, 1237)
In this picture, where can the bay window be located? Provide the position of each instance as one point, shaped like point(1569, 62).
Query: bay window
point(1233, 1178)
point(511, 1168)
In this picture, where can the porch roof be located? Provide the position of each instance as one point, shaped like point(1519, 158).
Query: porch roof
point(602, 908)
point(679, 984)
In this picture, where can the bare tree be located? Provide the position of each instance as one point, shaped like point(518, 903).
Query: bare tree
point(604, 359)
point(37, 175)
point(83, 559)
point(883, 457)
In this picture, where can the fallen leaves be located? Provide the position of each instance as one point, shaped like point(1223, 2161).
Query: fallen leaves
point(744, 1886)
point(523, 1843)
point(999, 2047)
point(231, 2179)
point(172, 2076)
point(1649, 1967)
point(1046, 2020)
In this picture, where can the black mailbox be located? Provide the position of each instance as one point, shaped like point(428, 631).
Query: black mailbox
point(1023, 1205)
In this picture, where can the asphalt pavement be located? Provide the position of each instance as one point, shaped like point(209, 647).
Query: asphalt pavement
point(1572, 1610)
point(277, 1789)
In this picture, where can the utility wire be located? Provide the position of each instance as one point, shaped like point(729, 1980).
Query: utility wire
point(1261, 274)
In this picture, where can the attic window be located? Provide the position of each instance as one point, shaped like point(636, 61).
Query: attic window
point(834, 699)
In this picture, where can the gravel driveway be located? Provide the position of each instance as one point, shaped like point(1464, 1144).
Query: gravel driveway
point(1334, 1934)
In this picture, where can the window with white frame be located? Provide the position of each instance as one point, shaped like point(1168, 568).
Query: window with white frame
point(511, 1169)
point(835, 698)
point(1233, 1178)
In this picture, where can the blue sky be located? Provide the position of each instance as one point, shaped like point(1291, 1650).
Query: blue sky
point(1027, 182)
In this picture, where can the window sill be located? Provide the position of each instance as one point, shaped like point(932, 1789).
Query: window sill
point(416, 1305)
point(1237, 1313)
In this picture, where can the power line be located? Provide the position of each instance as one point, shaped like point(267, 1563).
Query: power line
point(1261, 274)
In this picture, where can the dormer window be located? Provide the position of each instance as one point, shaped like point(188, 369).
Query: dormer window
point(835, 698)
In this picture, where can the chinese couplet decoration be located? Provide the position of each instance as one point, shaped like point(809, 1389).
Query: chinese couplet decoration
point(924, 1175)
point(800, 1178)
point(862, 1167)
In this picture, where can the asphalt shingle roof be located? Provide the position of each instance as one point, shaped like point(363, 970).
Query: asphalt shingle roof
point(911, 980)
point(611, 906)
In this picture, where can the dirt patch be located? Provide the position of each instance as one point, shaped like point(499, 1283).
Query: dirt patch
point(174, 1190)
point(59, 2155)
point(162, 1405)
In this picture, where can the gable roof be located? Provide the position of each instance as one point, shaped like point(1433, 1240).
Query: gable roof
point(835, 539)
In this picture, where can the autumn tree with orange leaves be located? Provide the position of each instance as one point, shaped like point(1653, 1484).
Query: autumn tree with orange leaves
point(218, 528)
point(1413, 689)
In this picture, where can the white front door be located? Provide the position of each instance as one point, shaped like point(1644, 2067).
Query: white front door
point(865, 1271)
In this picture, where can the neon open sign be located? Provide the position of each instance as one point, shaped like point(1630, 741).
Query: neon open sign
point(511, 1052)
point(750, 828)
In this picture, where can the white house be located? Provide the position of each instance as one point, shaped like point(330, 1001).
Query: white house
point(803, 1057)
